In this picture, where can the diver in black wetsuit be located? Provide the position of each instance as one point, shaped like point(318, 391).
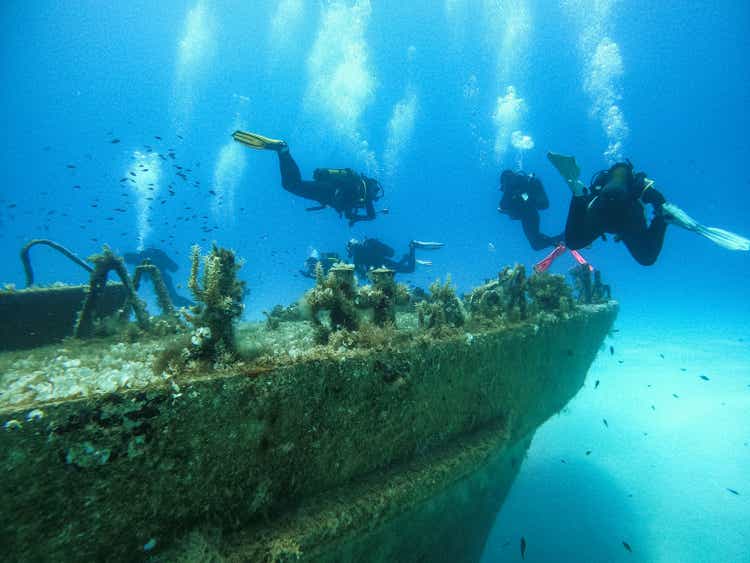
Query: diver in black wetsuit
point(342, 189)
point(372, 253)
point(165, 264)
point(523, 198)
point(614, 203)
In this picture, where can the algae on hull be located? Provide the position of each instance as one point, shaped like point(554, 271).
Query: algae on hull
point(236, 450)
point(289, 448)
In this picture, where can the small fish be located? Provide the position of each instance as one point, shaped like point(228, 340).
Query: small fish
point(620, 361)
point(132, 173)
point(71, 166)
point(490, 247)
point(115, 141)
point(523, 547)
point(611, 350)
point(733, 491)
point(704, 378)
point(626, 545)
point(675, 395)
point(596, 384)
point(661, 356)
point(157, 137)
point(604, 420)
point(588, 452)
point(653, 408)
point(683, 369)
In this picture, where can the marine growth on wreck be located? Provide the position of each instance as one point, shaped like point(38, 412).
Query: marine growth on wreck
point(337, 314)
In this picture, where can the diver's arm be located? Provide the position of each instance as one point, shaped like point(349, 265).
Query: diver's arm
point(649, 194)
point(355, 217)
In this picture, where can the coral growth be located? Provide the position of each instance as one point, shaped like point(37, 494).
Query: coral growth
point(513, 282)
point(334, 293)
point(513, 296)
point(337, 295)
point(219, 296)
point(162, 294)
point(104, 263)
point(549, 293)
point(383, 296)
point(280, 314)
point(589, 291)
point(500, 299)
point(443, 309)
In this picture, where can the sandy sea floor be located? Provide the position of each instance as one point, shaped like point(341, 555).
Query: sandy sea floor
point(658, 474)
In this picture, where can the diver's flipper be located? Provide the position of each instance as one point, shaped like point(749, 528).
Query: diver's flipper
point(569, 170)
point(427, 245)
point(258, 142)
point(731, 241)
point(424, 262)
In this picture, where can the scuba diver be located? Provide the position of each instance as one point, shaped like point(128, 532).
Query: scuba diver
point(523, 198)
point(325, 259)
point(614, 203)
point(342, 189)
point(372, 253)
point(165, 264)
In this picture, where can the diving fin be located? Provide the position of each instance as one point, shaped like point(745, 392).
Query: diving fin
point(427, 245)
point(424, 262)
point(258, 142)
point(569, 170)
point(726, 239)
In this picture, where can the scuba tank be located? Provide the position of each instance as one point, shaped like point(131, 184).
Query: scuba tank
point(350, 186)
point(336, 175)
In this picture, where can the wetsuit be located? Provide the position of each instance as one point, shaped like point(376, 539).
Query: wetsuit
point(165, 264)
point(347, 199)
point(371, 253)
point(619, 212)
point(523, 197)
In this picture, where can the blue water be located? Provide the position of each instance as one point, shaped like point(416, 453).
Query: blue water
point(666, 84)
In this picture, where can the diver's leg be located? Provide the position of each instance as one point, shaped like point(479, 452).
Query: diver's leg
point(530, 224)
point(290, 174)
point(645, 244)
point(578, 230)
point(408, 262)
point(291, 181)
point(406, 265)
point(177, 299)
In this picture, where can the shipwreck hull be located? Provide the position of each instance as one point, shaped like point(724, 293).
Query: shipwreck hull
point(378, 456)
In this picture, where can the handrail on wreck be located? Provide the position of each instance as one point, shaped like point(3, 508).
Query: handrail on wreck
point(26, 261)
